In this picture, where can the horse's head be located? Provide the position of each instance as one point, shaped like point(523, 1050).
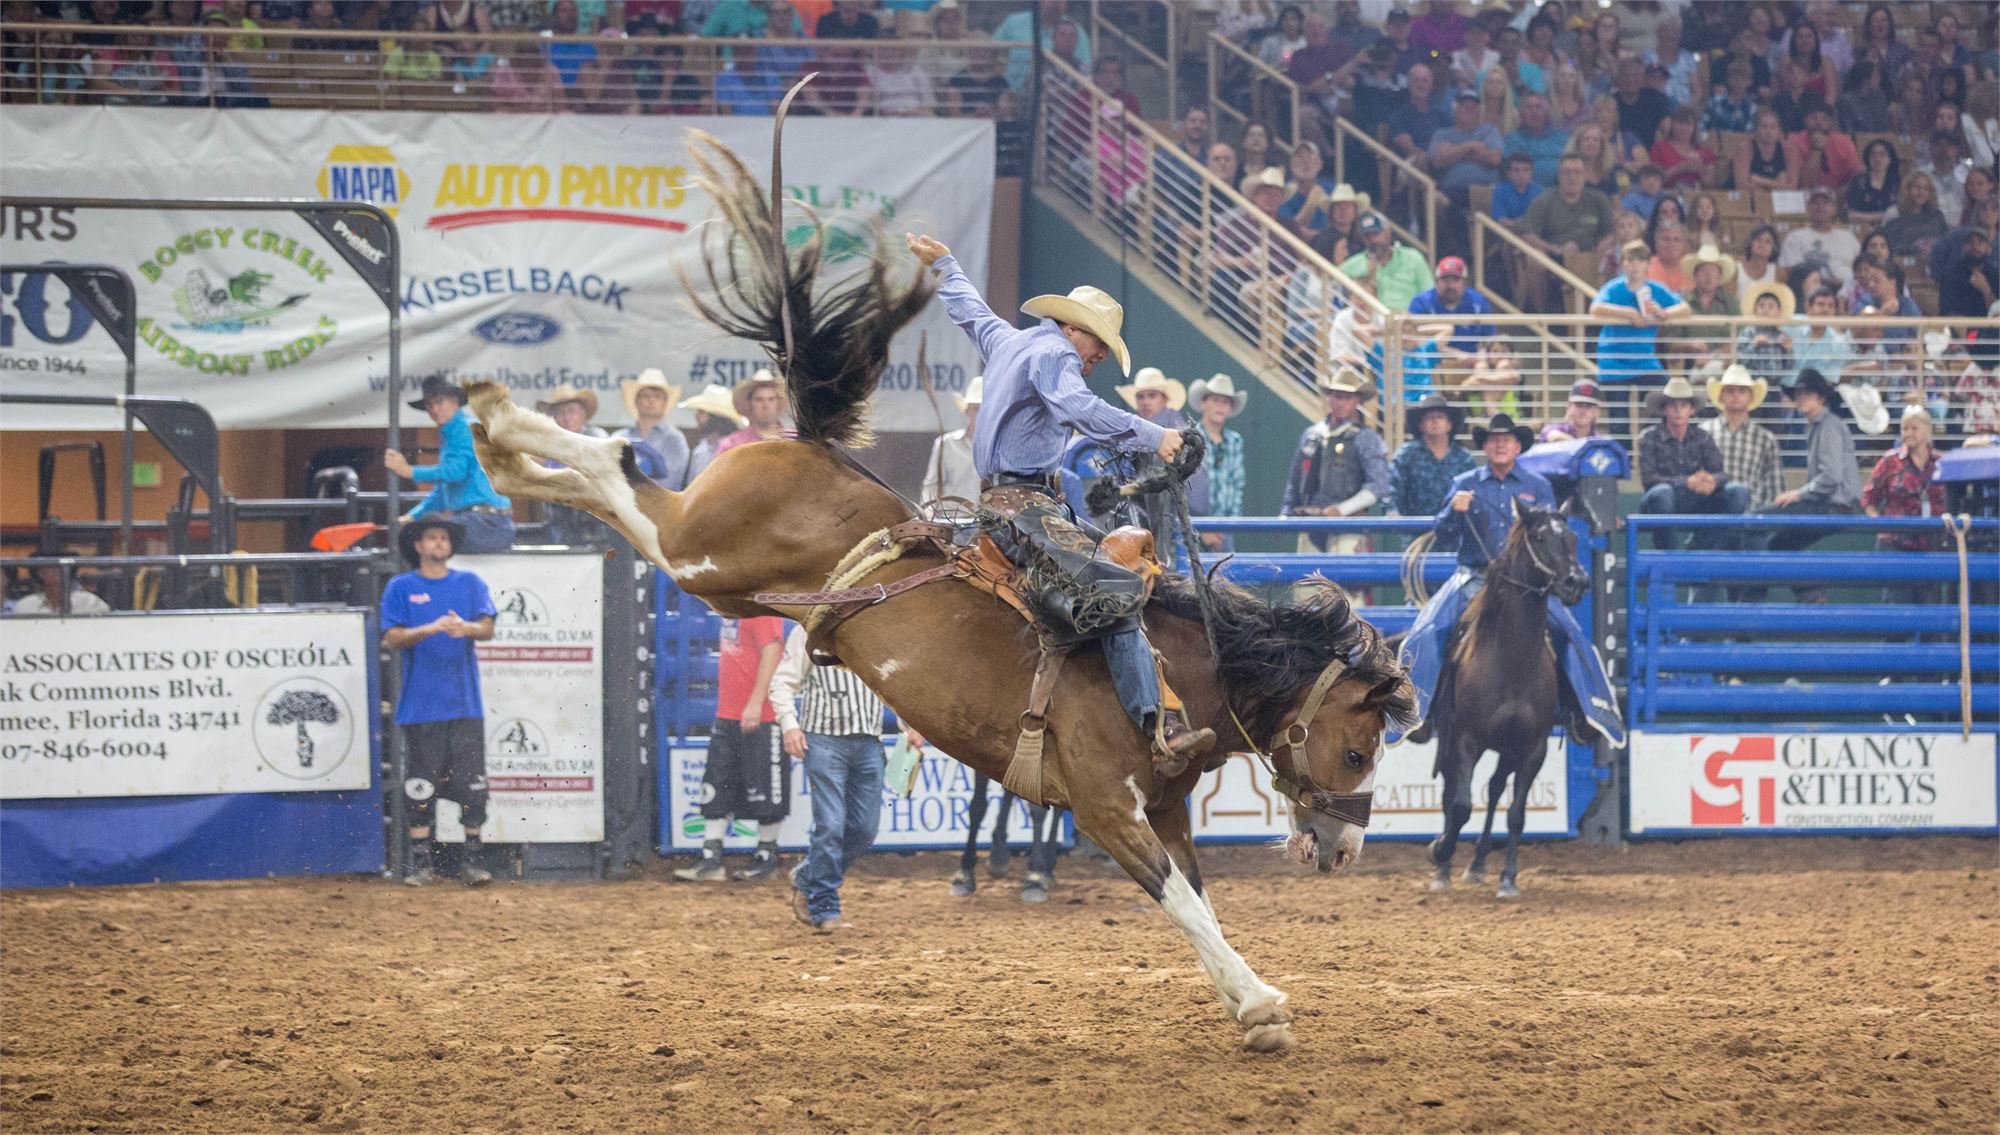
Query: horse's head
point(1333, 769)
point(1544, 549)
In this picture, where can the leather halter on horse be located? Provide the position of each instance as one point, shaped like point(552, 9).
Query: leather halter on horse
point(1348, 807)
point(1549, 574)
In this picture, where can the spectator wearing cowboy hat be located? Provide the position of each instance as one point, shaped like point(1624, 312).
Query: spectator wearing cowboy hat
point(1394, 272)
point(1765, 346)
point(715, 418)
point(1161, 400)
point(760, 400)
point(1681, 467)
point(1833, 477)
point(1749, 451)
point(1341, 466)
point(432, 615)
point(572, 408)
point(1217, 400)
point(1628, 347)
point(1713, 272)
point(1579, 418)
point(459, 489)
point(648, 398)
point(950, 471)
point(1421, 473)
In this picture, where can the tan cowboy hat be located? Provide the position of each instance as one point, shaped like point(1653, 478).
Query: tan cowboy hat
point(1709, 254)
point(1787, 302)
point(1150, 378)
point(974, 391)
point(1677, 389)
point(740, 396)
point(1739, 375)
point(652, 378)
point(568, 393)
point(1090, 309)
point(1345, 194)
point(1270, 176)
point(1347, 380)
point(714, 400)
point(1219, 386)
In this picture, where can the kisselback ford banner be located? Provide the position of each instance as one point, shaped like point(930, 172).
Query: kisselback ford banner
point(536, 249)
point(1811, 781)
point(177, 705)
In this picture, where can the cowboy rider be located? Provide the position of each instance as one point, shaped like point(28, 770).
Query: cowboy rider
point(1034, 393)
point(1475, 521)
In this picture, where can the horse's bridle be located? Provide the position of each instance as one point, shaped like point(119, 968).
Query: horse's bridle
point(1347, 807)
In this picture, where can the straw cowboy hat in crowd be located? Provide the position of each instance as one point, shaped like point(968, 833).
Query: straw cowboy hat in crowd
point(1347, 380)
point(1709, 254)
point(1678, 389)
point(568, 393)
point(1090, 309)
point(714, 400)
point(974, 390)
point(1150, 378)
point(1788, 304)
point(652, 378)
point(1218, 386)
point(1433, 403)
point(740, 397)
point(1739, 375)
point(1503, 424)
point(1345, 194)
point(1270, 177)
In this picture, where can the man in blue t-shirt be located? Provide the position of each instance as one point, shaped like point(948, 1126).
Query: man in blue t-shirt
point(433, 615)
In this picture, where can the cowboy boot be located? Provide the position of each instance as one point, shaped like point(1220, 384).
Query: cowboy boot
point(1175, 743)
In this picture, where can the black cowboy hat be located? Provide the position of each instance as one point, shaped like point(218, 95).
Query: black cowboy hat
point(1433, 403)
point(1813, 380)
point(406, 539)
point(1503, 423)
point(436, 385)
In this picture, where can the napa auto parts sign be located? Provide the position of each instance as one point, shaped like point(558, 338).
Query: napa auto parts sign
point(539, 250)
point(1812, 781)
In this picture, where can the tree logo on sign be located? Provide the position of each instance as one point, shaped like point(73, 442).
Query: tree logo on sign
point(303, 728)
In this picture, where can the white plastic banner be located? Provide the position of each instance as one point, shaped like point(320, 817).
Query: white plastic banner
point(1238, 802)
point(1723, 783)
point(933, 815)
point(177, 705)
point(537, 249)
point(542, 677)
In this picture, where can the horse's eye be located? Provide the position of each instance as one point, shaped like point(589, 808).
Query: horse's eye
point(1355, 760)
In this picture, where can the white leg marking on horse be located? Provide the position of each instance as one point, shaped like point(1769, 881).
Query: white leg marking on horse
point(1242, 991)
point(623, 503)
point(684, 572)
point(1138, 799)
point(887, 668)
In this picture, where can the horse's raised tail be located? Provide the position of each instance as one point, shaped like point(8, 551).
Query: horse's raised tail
point(840, 329)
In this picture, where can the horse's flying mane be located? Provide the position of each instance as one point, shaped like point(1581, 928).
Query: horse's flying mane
point(1270, 653)
point(840, 330)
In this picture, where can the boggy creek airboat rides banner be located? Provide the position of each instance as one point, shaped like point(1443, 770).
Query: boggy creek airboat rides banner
point(536, 249)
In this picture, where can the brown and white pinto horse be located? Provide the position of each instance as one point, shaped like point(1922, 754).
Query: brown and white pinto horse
point(778, 516)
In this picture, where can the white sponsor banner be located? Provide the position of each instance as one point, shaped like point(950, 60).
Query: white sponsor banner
point(538, 249)
point(1238, 801)
point(177, 705)
point(542, 678)
point(933, 815)
point(1804, 781)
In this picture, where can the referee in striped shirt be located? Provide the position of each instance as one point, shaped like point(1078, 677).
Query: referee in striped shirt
point(834, 723)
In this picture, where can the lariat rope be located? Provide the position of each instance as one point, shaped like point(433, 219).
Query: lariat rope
point(1958, 526)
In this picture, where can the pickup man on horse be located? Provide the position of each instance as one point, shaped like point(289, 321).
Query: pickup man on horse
point(1034, 393)
point(1474, 521)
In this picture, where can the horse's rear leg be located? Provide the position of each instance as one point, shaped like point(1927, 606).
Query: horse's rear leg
point(1140, 847)
point(1475, 871)
point(1457, 769)
point(1002, 855)
point(1528, 766)
point(967, 879)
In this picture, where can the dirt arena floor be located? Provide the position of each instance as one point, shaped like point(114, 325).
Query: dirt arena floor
point(1811, 985)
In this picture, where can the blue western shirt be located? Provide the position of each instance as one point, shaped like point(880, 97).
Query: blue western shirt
point(440, 673)
point(1420, 483)
point(1481, 530)
point(1034, 388)
point(457, 482)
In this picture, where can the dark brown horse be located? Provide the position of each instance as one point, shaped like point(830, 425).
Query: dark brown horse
point(1502, 688)
point(780, 516)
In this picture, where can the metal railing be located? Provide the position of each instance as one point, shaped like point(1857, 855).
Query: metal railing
point(1268, 89)
point(1106, 33)
point(153, 65)
point(1400, 175)
point(1236, 263)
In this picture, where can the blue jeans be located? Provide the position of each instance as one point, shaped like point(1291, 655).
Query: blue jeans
point(485, 531)
point(1732, 499)
point(844, 780)
point(1133, 674)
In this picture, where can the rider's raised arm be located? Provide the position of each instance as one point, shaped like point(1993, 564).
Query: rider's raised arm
point(963, 305)
point(1058, 377)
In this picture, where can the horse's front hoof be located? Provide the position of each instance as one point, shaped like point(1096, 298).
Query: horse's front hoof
point(1036, 889)
point(1477, 877)
point(963, 884)
point(1507, 890)
point(1441, 883)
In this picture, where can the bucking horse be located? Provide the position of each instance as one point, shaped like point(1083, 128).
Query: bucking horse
point(1306, 682)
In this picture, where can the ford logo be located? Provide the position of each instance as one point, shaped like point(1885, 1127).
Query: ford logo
point(518, 329)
